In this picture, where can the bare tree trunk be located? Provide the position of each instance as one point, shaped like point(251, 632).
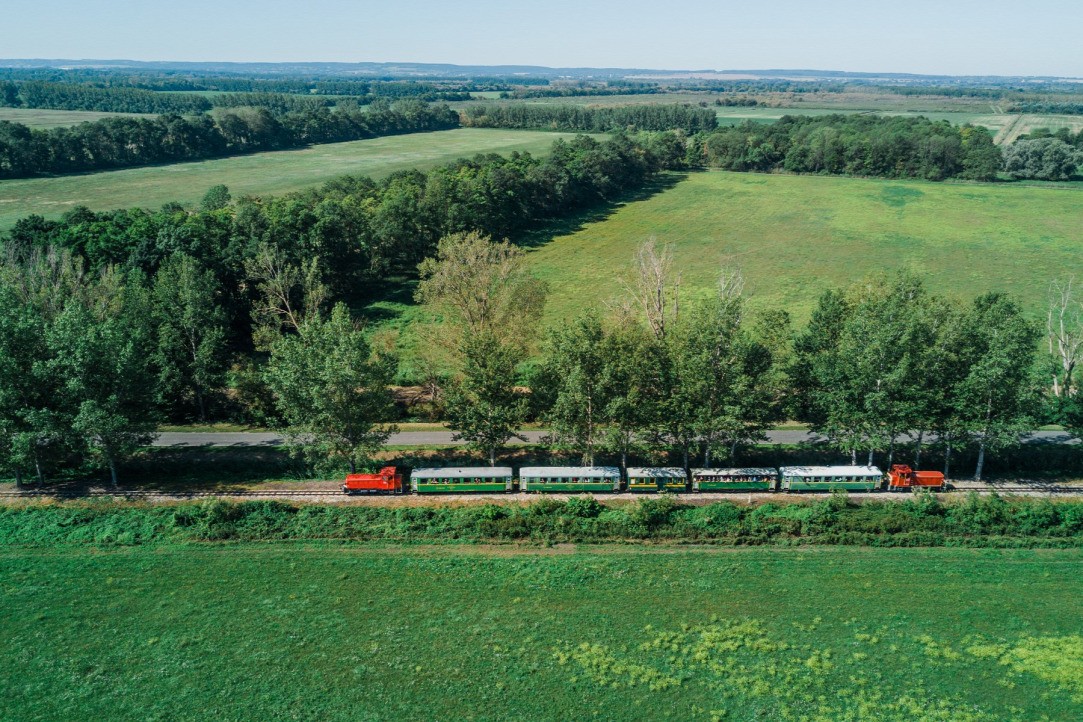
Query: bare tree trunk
point(917, 451)
point(353, 467)
point(870, 457)
point(981, 460)
point(492, 456)
point(18, 478)
point(853, 456)
point(39, 470)
point(202, 406)
point(707, 455)
point(890, 451)
point(687, 466)
point(947, 460)
point(113, 470)
point(624, 461)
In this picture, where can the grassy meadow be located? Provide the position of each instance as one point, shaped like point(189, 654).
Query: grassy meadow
point(258, 174)
point(794, 236)
point(280, 631)
point(44, 118)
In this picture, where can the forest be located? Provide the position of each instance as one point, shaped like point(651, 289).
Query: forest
point(125, 142)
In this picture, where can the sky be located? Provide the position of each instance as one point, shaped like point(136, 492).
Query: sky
point(953, 37)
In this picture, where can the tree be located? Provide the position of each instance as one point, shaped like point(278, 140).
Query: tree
point(484, 407)
point(575, 366)
point(23, 392)
point(480, 288)
point(996, 395)
point(332, 391)
point(1041, 159)
point(1064, 332)
point(101, 357)
point(191, 333)
point(216, 198)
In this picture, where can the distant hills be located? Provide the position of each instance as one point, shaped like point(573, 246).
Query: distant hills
point(447, 70)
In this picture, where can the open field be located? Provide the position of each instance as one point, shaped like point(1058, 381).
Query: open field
point(42, 118)
point(368, 632)
point(794, 236)
point(257, 174)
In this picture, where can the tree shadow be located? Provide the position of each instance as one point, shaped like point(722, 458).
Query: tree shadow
point(595, 214)
point(384, 301)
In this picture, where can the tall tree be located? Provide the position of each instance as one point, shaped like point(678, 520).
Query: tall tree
point(484, 407)
point(332, 390)
point(190, 354)
point(107, 392)
point(575, 365)
point(998, 392)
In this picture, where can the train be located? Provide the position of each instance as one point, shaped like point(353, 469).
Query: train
point(609, 479)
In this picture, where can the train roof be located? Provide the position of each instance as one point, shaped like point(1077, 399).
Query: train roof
point(569, 471)
point(660, 472)
point(750, 471)
point(830, 471)
point(464, 472)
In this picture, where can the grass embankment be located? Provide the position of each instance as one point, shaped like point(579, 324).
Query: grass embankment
point(258, 174)
point(794, 236)
point(989, 521)
point(297, 632)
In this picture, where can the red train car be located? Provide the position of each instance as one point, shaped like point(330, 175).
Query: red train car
point(902, 477)
point(388, 480)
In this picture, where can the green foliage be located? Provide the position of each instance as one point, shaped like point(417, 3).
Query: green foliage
point(484, 407)
point(862, 145)
point(976, 521)
point(688, 118)
point(1041, 159)
point(331, 390)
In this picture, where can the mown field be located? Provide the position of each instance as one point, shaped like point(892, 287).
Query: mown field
point(260, 173)
point(794, 236)
point(424, 633)
point(43, 118)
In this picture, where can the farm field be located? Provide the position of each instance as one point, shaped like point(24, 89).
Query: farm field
point(42, 118)
point(795, 236)
point(277, 631)
point(257, 174)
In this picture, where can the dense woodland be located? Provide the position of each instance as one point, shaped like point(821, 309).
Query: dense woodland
point(856, 145)
point(576, 118)
point(124, 142)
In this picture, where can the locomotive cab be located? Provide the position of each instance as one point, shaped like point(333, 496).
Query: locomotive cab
point(387, 480)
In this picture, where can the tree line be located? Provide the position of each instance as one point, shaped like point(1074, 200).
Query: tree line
point(576, 118)
point(125, 142)
point(182, 97)
point(892, 147)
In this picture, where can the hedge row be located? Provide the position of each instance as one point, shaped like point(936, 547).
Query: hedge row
point(924, 521)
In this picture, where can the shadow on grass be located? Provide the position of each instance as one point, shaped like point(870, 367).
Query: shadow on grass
point(382, 302)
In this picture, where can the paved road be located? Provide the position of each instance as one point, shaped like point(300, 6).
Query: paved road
point(436, 438)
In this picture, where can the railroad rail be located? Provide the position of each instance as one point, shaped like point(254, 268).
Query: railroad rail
point(338, 495)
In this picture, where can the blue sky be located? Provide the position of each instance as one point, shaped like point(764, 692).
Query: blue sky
point(922, 36)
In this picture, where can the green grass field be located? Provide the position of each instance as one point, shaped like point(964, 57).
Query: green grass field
point(258, 174)
point(616, 633)
point(794, 236)
point(43, 118)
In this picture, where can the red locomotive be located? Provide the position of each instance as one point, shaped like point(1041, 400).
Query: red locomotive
point(902, 477)
point(387, 480)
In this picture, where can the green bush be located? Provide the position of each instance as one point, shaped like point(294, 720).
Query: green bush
point(923, 521)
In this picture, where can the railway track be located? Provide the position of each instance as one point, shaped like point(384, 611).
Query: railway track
point(339, 496)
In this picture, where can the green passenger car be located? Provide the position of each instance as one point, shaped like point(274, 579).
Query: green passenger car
point(657, 479)
point(569, 478)
point(478, 479)
point(829, 478)
point(734, 479)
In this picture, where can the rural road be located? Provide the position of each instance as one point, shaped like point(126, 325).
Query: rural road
point(181, 439)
